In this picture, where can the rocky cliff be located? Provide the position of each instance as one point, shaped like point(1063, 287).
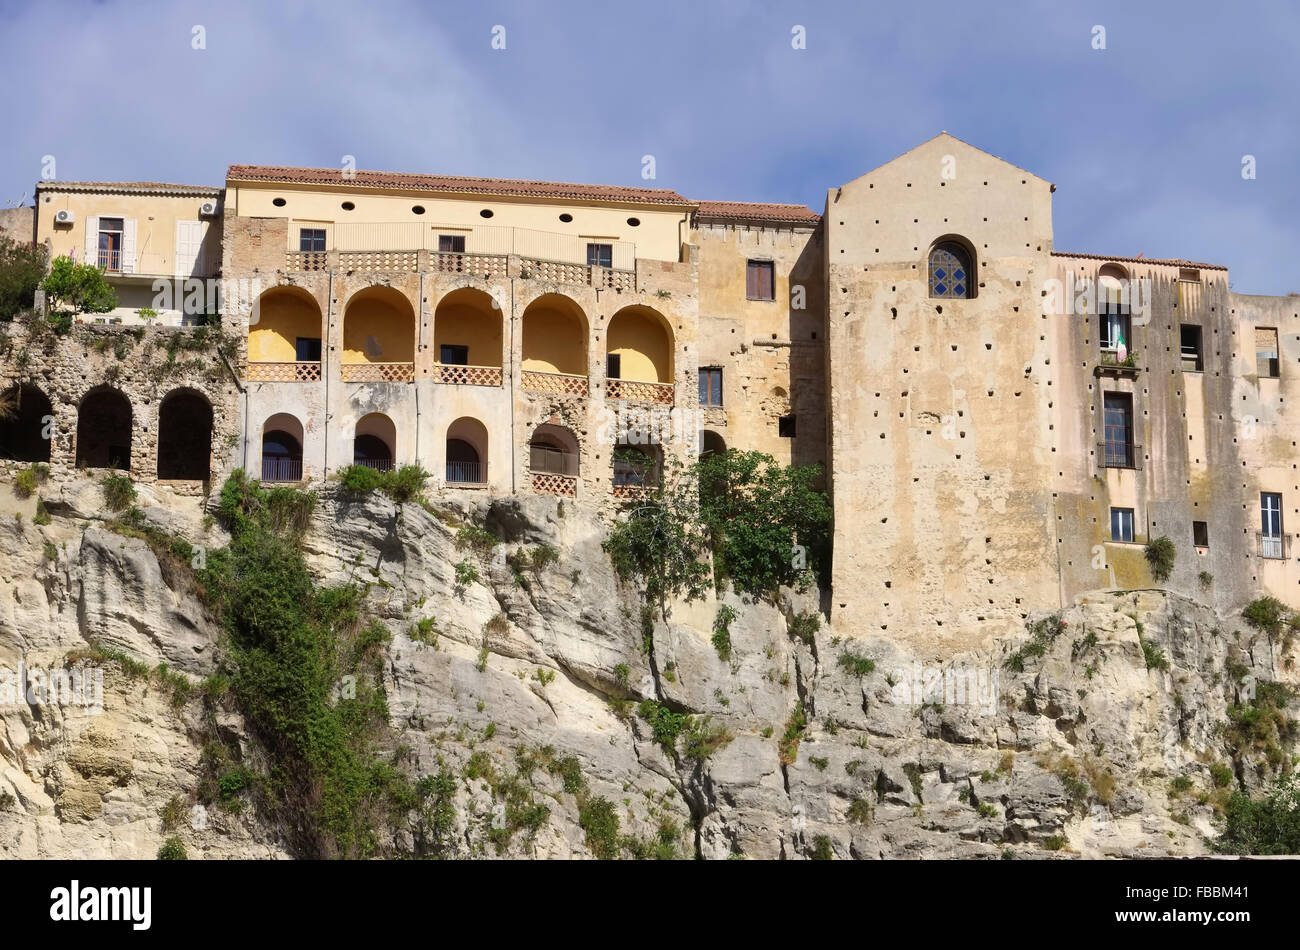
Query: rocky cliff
point(562, 719)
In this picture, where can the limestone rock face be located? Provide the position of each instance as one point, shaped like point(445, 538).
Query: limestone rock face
point(1061, 741)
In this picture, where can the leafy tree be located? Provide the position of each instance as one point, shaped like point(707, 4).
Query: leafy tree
point(1268, 825)
point(21, 268)
point(78, 288)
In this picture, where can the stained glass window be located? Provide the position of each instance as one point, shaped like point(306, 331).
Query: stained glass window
point(950, 274)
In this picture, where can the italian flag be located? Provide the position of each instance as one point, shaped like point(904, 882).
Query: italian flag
point(1121, 351)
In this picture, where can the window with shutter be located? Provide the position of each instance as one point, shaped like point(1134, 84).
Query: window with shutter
point(760, 280)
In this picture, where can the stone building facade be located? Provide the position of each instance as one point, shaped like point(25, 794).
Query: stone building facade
point(1003, 426)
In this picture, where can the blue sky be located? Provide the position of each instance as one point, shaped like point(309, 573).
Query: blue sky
point(1144, 139)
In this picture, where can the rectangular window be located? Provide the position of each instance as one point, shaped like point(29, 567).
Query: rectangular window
point(1189, 337)
point(451, 355)
point(451, 243)
point(1201, 534)
point(760, 280)
point(711, 386)
point(613, 366)
point(1118, 449)
point(1270, 516)
point(1121, 524)
point(1266, 356)
point(311, 239)
point(785, 427)
point(600, 255)
point(308, 350)
point(110, 244)
point(1189, 275)
point(1116, 326)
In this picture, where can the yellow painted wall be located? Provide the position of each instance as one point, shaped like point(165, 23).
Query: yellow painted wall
point(155, 217)
point(283, 317)
point(385, 322)
point(554, 341)
point(658, 236)
point(467, 319)
point(638, 336)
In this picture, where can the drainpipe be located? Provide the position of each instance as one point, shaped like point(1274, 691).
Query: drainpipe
point(419, 333)
point(511, 389)
point(324, 371)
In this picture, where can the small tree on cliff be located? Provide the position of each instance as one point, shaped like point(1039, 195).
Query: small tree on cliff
point(21, 266)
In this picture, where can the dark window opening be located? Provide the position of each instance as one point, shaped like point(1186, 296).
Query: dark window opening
point(1267, 364)
point(785, 427)
point(1189, 339)
point(184, 437)
point(711, 386)
point(372, 452)
point(613, 366)
point(1115, 327)
point(307, 349)
point(1201, 534)
point(450, 354)
point(1118, 450)
point(1121, 524)
point(26, 430)
point(600, 255)
point(451, 243)
point(281, 457)
point(311, 239)
point(104, 431)
point(760, 280)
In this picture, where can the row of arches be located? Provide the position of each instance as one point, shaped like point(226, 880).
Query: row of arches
point(105, 430)
point(379, 326)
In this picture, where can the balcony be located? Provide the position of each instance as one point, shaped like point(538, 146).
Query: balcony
point(1119, 455)
point(1272, 547)
point(490, 252)
point(281, 468)
point(110, 260)
point(1111, 365)
point(631, 390)
point(556, 384)
point(457, 374)
point(377, 372)
point(467, 473)
point(302, 372)
point(379, 465)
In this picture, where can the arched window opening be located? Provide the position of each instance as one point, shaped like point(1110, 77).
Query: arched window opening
point(282, 449)
point(26, 424)
point(950, 271)
point(184, 436)
point(104, 430)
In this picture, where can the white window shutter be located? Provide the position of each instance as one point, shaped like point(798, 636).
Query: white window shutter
point(92, 241)
point(128, 246)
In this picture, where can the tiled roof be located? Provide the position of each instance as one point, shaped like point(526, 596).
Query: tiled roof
point(130, 188)
point(758, 211)
point(456, 184)
point(1141, 260)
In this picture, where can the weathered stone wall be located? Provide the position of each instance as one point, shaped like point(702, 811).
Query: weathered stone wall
point(19, 223)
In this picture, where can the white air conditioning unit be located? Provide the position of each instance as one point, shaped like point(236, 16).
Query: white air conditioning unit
point(64, 217)
point(208, 209)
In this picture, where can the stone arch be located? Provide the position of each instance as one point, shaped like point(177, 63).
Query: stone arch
point(282, 438)
point(104, 429)
point(641, 339)
point(374, 444)
point(23, 424)
point(467, 451)
point(467, 329)
point(553, 449)
point(185, 435)
point(555, 334)
point(378, 327)
point(711, 443)
point(287, 326)
point(951, 268)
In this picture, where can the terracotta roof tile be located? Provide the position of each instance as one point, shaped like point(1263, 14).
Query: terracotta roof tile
point(130, 187)
point(758, 211)
point(455, 184)
point(1173, 262)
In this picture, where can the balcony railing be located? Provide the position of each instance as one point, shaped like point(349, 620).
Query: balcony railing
point(110, 260)
point(558, 384)
point(1273, 547)
point(458, 374)
point(379, 465)
point(281, 469)
point(549, 483)
point(466, 473)
point(487, 266)
point(378, 372)
point(631, 390)
point(306, 262)
point(303, 372)
point(1119, 455)
point(546, 459)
